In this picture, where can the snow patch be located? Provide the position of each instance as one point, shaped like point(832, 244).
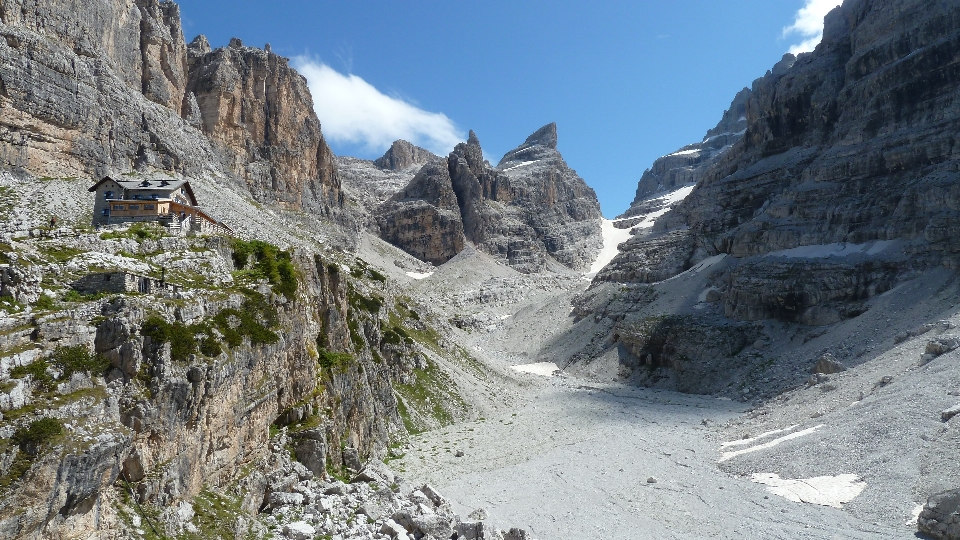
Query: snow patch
point(683, 153)
point(751, 440)
point(612, 238)
point(419, 275)
point(823, 490)
point(545, 369)
point(771, 444)
point(524, 164)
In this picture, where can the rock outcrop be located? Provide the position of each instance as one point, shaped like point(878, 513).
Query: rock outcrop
point(167, 396)
point(93, 88)
point(403, 155)
point(686, 165)
point(849, 144)
point(940, 517)
point(528, 208)
point(842, 184)
point(372, 183)
point(424, 218)
point(259, 109)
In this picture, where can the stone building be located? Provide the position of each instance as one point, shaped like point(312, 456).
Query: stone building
point(121, 282)
point(167, 201)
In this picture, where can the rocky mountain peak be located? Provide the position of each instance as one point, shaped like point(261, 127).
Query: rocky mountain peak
point(402, 155)
point(545, 136)
point(200, 45)
point(540, 145)
point(472, 139)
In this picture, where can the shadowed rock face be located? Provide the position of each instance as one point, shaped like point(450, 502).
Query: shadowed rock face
point(853, 143)
point(424, 218)
point(529, 207)
point(402, 155)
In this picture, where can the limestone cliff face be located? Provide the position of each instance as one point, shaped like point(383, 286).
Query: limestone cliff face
point(529, 207)
point(853, 144)
point(161, 426)
point(87, 88)
point(424, 218)
point(143, 39)
point(91, 88)
point(260, 110)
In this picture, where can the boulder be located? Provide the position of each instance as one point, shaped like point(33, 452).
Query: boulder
point(299, 530)
point(947, 414)
point(941, 345)
point(827, 364)
point(940, 517)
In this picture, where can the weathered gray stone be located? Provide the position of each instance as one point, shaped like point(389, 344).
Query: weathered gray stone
point(941, 345)
point(940, 517)
point(530, 206)
point(827, 364)
point(947, 414)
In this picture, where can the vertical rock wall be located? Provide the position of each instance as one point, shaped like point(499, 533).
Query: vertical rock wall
point(90, 88)
point(260, 110)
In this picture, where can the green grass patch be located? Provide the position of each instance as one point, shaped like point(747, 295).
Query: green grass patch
point(362, 269)
point(427, 395)
point(45, 303)
point(66, 360)
point(254, 320)
point(76, 296)
point(59, 253)
point(21, 464)
point(8, 304)
point(362, 303)
point(138, 231)
point(397, 336)
point(270, 263)
point(215, 515)
point(37, 370)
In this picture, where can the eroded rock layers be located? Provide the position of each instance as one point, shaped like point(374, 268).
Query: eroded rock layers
point(90, 88)
point(530, 207)
point(851, 144)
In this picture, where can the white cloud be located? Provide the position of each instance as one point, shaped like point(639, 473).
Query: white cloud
point(351, 110)
point(808, 24)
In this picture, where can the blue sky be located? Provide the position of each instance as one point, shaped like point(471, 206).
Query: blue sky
point(626, 81)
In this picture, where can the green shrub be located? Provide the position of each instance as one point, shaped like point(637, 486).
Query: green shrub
point(271, 264)
point(334, 360)
point(360, 302)
point(67, 360)
point(396, 336)
point(37, 434)
point(253, 320)
point(137, 231)
point(37, 371)
point(77, 359)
